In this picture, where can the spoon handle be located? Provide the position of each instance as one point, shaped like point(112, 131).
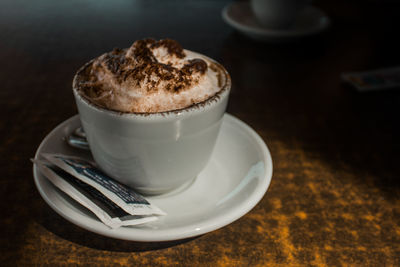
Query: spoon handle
point(77, 141)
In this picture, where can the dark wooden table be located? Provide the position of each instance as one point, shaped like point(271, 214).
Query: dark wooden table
point(334, 198)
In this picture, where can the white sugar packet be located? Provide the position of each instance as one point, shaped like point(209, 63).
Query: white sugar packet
point(86, 171)
point(373, 80)
point(107, 211)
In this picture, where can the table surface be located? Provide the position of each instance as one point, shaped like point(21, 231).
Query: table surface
point(334, 197)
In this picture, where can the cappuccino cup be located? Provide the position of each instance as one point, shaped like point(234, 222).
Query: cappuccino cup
point(277, 14)
point(153, 152)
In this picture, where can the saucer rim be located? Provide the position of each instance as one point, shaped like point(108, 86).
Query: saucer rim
point(265, 32)
point(171, 233)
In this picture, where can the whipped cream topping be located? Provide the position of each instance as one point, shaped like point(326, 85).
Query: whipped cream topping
point(150, 76)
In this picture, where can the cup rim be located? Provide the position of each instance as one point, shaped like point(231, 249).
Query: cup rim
point(194, 108)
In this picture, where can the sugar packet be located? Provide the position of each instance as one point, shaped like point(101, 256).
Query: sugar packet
point(373, 80)
point(86, 171)
point(107, 211)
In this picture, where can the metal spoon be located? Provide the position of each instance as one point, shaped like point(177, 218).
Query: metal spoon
point(79, 132)
point(78, 139)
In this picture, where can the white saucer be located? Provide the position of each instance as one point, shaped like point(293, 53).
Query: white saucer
point(310, 21)
point(234, 181)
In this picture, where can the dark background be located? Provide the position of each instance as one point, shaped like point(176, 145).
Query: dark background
point(334, 197)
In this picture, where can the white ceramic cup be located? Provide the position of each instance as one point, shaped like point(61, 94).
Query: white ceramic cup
point(277, 14)
point(153, 152)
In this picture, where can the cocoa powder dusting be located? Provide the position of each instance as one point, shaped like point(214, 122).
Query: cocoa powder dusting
point(138, 67)
point(141, 51)
point(173, 47)
point(139, 64)
point(195, 65)
point(219, 75)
